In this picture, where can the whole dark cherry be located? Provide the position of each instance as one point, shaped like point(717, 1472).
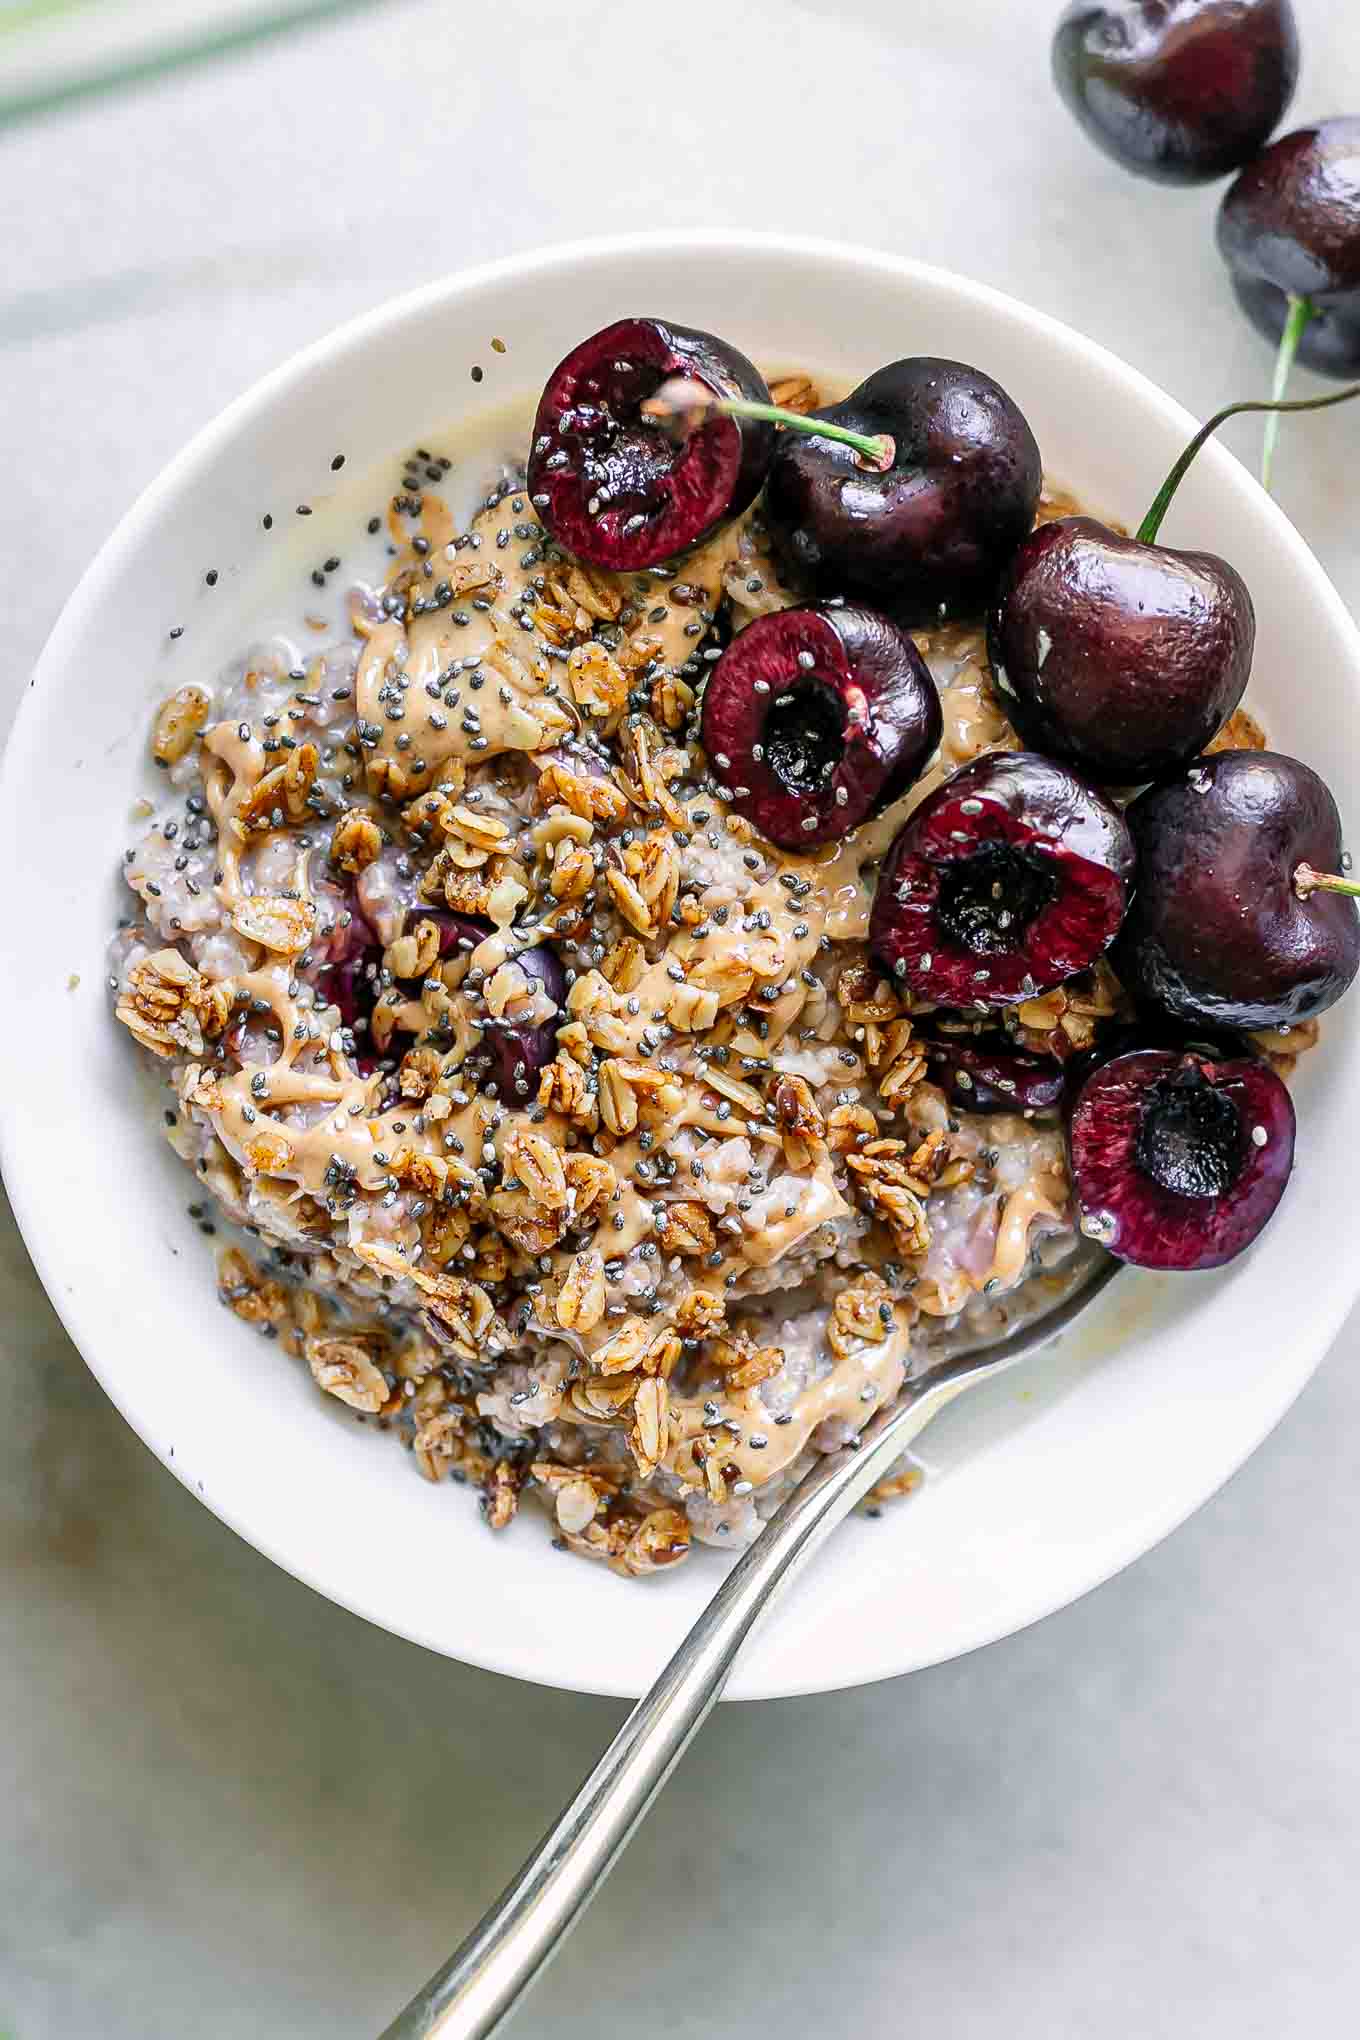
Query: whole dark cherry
point(1240, 919)
point(927, 531)
point(814, 718)
point(1289, 231)
point(1119, 655)
point(1178, 90)
point(613, 485)
point(1122, 657)
point(1010, 877)
point(1178, 1159)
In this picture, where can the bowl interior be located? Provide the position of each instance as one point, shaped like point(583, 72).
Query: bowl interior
point(1046, 1483)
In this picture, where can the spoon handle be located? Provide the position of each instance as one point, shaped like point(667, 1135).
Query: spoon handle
point(484, 1979)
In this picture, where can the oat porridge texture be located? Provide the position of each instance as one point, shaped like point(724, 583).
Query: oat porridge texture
point(559, 1123)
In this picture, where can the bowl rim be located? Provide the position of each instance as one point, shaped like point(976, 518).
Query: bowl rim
point(101, 576)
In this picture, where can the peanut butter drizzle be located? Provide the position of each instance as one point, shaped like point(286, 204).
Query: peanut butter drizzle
point(522, 705)
point(1018, 1214)
point(246, 1104)
point(867, 1380)
point(836, 904)
point(973, 723)
point(353, 1133)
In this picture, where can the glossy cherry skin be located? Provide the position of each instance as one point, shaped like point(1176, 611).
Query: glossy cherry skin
point(1182, 91)
point(1122, 659)
point(617, 489)
point(987, 1074)
point(1290, 225)
point(509, 1058)
point(929, 537)
point(1217, 933)
point(1007, 879)
point(814, 718)
point(1178, 1160)
point(352, 977)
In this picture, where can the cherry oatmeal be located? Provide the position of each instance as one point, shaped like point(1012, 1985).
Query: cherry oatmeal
point(562, 1121)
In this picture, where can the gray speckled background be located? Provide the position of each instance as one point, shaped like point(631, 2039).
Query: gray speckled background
point(228, 1809)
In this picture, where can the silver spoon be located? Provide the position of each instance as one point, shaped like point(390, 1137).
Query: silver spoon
point(484, 1979)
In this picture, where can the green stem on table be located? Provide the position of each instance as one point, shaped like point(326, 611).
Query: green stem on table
point(687, 403)
point(1307, 881)
point(1301, 310)
point(1152, 523)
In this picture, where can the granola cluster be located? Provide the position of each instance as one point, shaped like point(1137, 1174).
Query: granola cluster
point(570, 1130)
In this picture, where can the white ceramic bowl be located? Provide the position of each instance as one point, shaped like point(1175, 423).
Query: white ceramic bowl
point(1045, 1485)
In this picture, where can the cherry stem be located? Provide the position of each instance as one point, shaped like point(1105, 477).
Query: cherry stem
point(1307, 881)
point(1301, 310)
point(688, 404)
point(1152, 523)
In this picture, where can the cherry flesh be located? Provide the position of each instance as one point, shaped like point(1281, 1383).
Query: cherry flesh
point(989, 1074)
point(815, 718)
point(509, 1058)
point(1007, 879)
point(1179, 1159)
point(612, 485)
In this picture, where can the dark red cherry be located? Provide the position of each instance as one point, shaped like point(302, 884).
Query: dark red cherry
point(1179, 1160)
point(1152, 1029)
point(1179, 90)
point(1289, 231)
point(1007, 879)
point(815, 718)
point(351, 977)
point(615, 487)
point(989, 1075)
point(929, 535)
point(459, 934)
point(1229, 926)
point(1121, 657)
point(509, 1059)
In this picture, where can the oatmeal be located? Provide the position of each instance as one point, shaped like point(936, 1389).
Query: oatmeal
point(562, 1124)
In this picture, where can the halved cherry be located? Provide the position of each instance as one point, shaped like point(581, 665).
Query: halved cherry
point(815, 718)
point(1007, 879)
point(511, 1055)
point(618, 488)
point(1178, 1160)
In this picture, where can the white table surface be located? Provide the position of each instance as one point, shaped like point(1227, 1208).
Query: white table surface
point(228, 1809)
